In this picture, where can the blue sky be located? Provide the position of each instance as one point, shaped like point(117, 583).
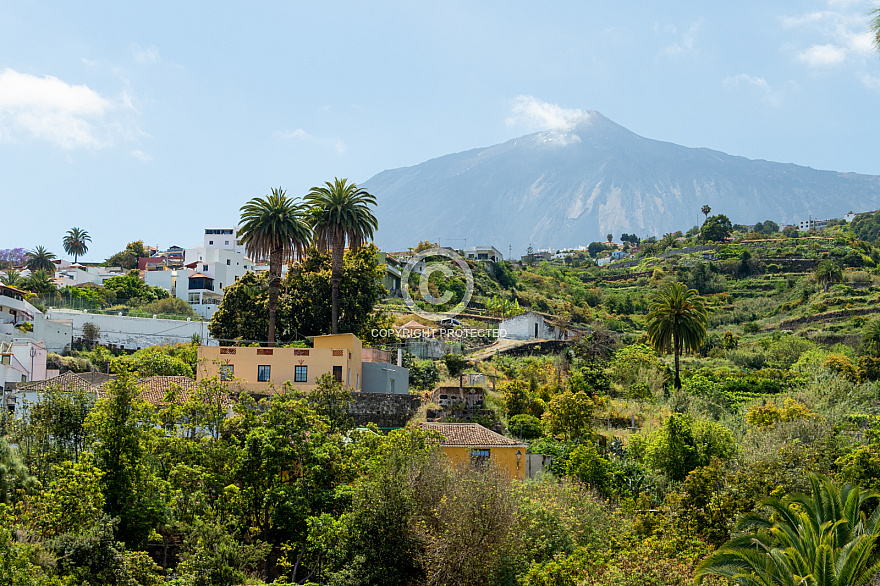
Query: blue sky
point(156, 120)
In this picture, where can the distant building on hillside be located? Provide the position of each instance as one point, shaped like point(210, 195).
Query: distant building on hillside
point(489, 253)
point(812, 224)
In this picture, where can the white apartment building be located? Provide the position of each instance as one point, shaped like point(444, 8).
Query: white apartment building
point(812, 224)
point(224, 238)
point(207, 271)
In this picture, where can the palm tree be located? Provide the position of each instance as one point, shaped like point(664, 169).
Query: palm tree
point(706, 211)
point(677, 320)
point(40, 258)
point(41, 283)
point(13, 279)
point(828, 272)
point(871, 337)
point(274, 227)
point(76, 242)
point(875, 27)
point(340, 212)
point(820, 540)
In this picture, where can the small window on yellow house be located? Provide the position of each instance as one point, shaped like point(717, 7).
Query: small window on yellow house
point(480, 457)
point(227, 372)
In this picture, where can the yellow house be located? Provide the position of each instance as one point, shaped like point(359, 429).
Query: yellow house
point(470, 443)
point(258, 370)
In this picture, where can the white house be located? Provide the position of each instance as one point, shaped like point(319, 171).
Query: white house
point(528, 325)
point(22, 360)
point(489, 253)
point(15, 311)
point(812, 224)
point(207, 271)
point(69, 274)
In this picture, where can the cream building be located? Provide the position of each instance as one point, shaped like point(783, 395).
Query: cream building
point(259, 370)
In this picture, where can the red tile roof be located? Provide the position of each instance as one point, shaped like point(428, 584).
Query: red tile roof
point(470, 435)
point(68, 381)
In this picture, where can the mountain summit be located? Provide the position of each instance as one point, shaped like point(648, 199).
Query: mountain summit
point(569, 187)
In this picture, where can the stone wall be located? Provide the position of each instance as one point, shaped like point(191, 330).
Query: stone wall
point(383, 409)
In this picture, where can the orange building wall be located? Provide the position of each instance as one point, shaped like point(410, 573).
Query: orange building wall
point(340, 350)
point(502, 456)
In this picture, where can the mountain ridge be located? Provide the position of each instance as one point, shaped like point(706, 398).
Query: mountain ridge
point(572, 186)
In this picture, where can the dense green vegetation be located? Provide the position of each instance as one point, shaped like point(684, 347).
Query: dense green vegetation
point(651, 482)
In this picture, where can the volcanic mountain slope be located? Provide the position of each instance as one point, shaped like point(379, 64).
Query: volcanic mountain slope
point(566, 188)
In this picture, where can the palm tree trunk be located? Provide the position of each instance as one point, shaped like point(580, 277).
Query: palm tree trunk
point(335, 279)
point(274, 281)
point(675, 350)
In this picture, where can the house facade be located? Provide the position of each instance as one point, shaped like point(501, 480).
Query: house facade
point(259, 370)
point(472, 444)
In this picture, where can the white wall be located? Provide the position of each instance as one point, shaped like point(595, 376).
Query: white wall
point(133, 333)
point(522, 327)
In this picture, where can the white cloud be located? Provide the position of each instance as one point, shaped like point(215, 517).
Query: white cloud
point(820, 55)
point(300, 134)
point(535, 114)
point(70, 116)
point(871, 82)
point(767, 93)
point(142, 156)
point(145, 56)
point(685, 44)
point(835, 35)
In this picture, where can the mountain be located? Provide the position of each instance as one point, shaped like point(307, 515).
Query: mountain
point(572, 187)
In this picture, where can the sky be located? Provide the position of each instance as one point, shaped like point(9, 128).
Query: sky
point(155, 120)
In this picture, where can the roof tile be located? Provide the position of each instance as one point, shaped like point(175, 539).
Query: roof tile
point(470, 434)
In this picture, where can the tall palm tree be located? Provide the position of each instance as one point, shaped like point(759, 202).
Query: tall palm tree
point(825, 539)
point(274, 227)
point(828, 272)
point(76, 242)
point(676, 321)
point(706, 211)
point(40, 258)
point(340, 212)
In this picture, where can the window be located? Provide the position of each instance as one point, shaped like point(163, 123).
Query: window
point(300, 374)
point(227, 244)
point(348, 380)
point(23, 378)
point(228, 262)
point(357, 378)
point(264, 371)
point(204, 267)
point(227, 372)
point(337, 373)
point(392, 386)
point(5, 359)
point(210, 242)
point(479, 457)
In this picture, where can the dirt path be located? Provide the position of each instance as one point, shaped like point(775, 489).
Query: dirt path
point(499, 346)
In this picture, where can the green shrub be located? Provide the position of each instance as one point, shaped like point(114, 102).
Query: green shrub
point(682, 444)
point(525, 426)
point(587, 465)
